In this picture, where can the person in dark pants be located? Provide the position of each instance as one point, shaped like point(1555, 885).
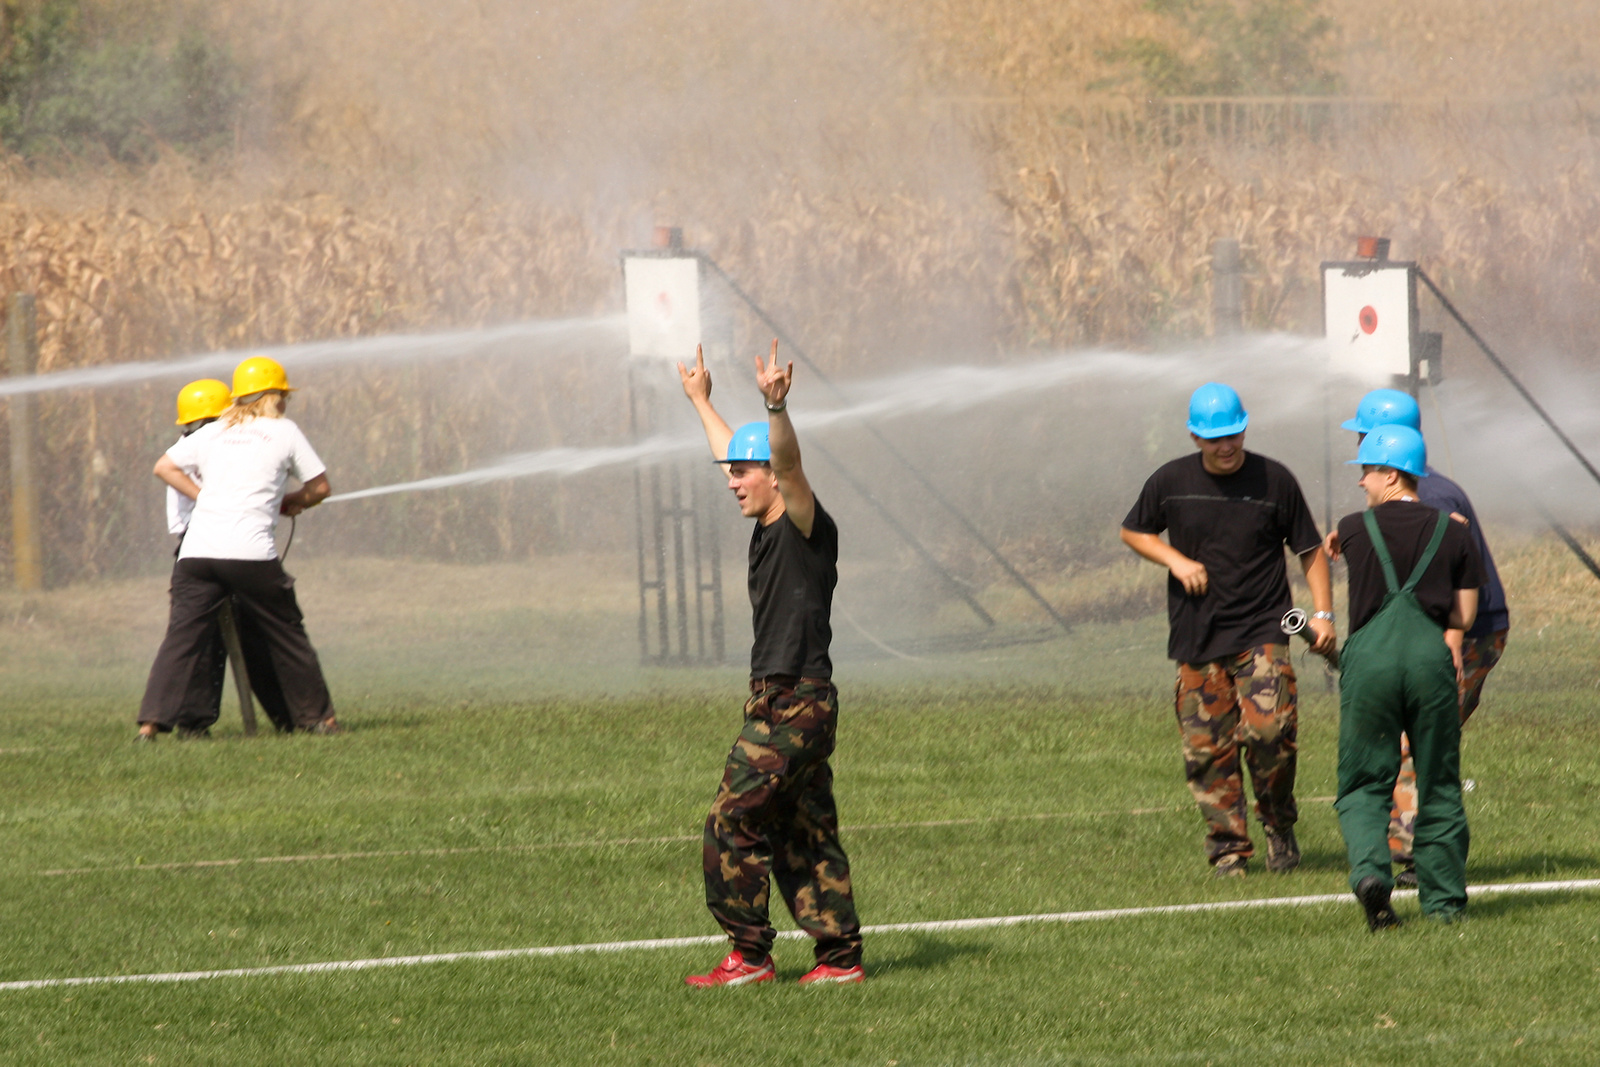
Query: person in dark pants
point(244, 460)
point(773, 817)
point(1228, 514)
point(1481, 646)
point(1414, 578)
point(201, 403)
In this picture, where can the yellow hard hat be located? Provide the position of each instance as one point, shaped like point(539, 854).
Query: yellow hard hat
point(258, 374)
point(205, 399)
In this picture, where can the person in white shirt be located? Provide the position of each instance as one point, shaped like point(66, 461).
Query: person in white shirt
point(244, 461)
point(201, 403)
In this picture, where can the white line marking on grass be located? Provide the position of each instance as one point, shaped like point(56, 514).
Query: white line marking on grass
point(314, 857)
point(989, 923)
point(187, 865)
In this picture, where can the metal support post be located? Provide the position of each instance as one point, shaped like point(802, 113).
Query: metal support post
point(27, 555)
point(680, 579)
point(708, 575)
point(679, 560)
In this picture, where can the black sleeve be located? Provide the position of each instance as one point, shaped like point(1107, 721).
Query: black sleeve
point(1300, 531)
point(1149, 514)
point(1466, 570)
point(1350, 528)
point(824, 532)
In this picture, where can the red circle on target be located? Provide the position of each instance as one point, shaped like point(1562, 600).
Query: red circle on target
point(1369, 319)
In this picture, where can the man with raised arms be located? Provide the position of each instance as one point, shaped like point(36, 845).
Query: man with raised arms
point(774, 816)
point(1228, 514)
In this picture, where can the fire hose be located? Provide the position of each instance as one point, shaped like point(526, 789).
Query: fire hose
point(1296, 621)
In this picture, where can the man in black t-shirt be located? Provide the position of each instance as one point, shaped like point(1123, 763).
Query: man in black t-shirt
point(1412, 596)
point(1228, 514)
point(774, 816)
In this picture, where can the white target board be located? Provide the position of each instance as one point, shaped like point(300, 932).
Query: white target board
point(663, 297)
point(1368, 315)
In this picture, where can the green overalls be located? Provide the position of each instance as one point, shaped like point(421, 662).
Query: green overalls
point(1398, 676)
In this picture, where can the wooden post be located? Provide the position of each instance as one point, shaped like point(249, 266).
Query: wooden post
point(27, 556)
point(1227, 288)
point(241, 674)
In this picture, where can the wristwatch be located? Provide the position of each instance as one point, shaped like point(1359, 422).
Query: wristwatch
point(1322, 615)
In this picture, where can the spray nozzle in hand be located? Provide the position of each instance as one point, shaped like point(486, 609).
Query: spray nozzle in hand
point(1296, 621)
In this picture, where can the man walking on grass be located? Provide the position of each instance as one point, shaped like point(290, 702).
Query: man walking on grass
point(1481, 646)
point(773, 817)
point(1228, 514)
point(1399, 675)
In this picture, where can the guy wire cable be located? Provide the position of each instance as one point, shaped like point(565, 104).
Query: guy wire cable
point(1499, 365)
point(933, 490)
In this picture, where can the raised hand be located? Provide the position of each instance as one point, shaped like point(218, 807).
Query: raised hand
point(697, 382)
point(773, 379)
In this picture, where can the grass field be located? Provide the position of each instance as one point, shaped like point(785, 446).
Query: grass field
point(1041, 777)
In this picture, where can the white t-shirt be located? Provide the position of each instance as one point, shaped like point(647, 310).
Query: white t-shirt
point(180, 507)
point(242, 471)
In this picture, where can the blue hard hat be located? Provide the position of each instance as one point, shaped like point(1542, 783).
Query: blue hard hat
point(1216, 411)
point(1385, 407)
point(750, 444)
point(1399, 447)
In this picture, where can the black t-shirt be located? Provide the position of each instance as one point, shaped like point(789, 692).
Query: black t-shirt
point(1236, 525)
point(1440, 492)
point(791, 597)
point(1407, 527)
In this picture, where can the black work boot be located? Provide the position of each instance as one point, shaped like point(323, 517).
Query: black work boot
point(1283, 851)
point(1374, 897)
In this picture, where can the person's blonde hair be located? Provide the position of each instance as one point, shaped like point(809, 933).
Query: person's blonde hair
point(266, 405)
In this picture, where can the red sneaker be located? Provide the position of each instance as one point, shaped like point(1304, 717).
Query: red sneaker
point(825, 973)
point(734, 971)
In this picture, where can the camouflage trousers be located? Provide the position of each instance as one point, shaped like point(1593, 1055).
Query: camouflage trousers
point(774, 819)
point(1248, 701)
point(1478, 657)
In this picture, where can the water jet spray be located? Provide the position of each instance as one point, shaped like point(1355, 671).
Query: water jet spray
point(922, 479)
point(1371, 319)
point(553, 334)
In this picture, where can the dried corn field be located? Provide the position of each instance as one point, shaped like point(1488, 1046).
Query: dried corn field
point(1052, 259)
point(1097, 262)
point(121, 286)
point(888, 228)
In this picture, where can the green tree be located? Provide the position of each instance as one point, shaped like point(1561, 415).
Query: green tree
point(1237, 48)
point(69, 83)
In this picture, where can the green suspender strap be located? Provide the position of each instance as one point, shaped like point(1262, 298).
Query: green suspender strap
point(1387, 560)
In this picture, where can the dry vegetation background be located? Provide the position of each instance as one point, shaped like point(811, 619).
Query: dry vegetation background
point(890, 179)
